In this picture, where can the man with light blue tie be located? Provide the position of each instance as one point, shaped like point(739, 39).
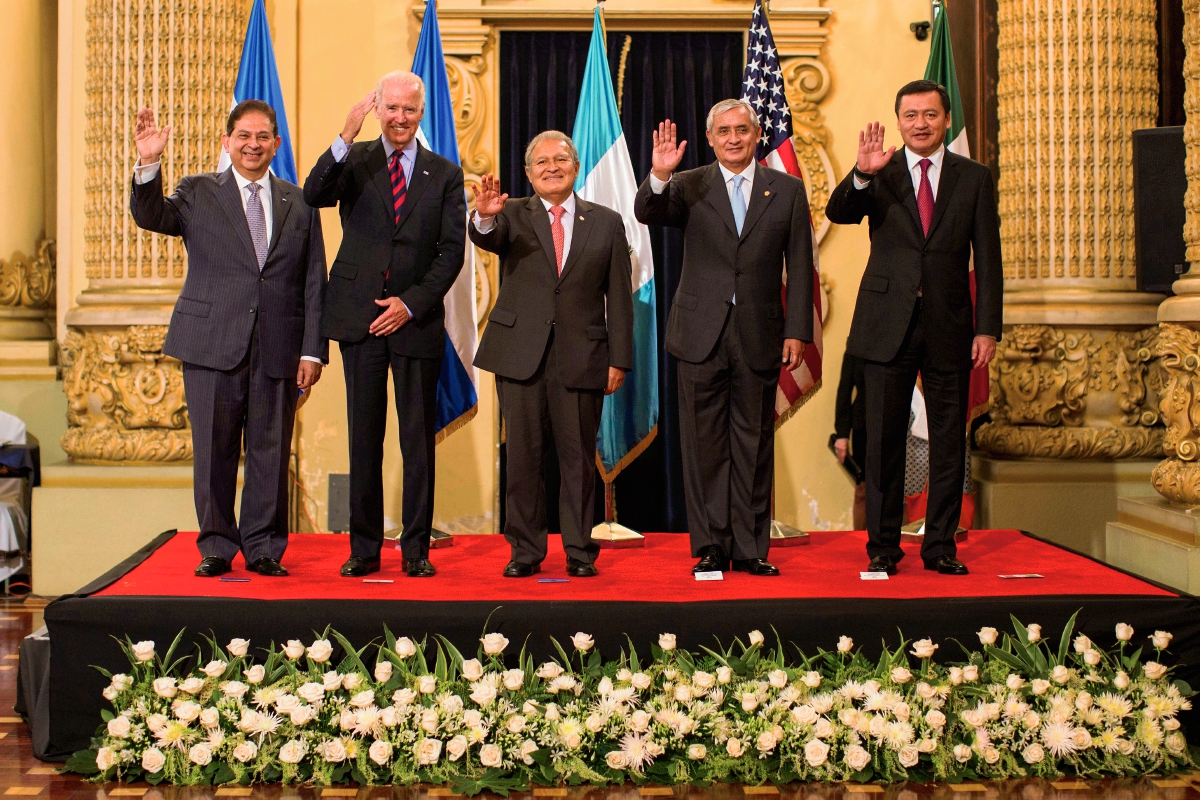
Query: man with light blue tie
point(743, 225)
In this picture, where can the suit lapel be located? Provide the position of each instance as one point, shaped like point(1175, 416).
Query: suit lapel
point(579, 234)
point(760, 197)
point(897, 174)
point(281, 206)
point(231, 204)
point(415, 185)
point(718, 198)
point(540, 221)
point(378, 167)
point(946, 183)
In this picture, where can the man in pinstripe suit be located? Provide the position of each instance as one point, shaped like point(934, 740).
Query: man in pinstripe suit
point(246, 327)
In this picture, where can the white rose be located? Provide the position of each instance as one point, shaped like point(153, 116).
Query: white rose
point(1154, 670)
point(192, 685)
point(804, 715)
point(494, 643)
point(153, 760)
point(351, 681)
point(109, 693)
point(456, 747)
point(121, 681)
point(105, 758)
point(638, 720)
point(1033, 754)
point(405, 647)
point(287, 703)
point(490, 755)
point(756, 637)
point(956, 675)
point(245, 751)
point(615, 759)
point(157, 722)
point(513, 679)
point(333, 751)
point(991, 755)
point(703, 680)
point(909, 755)
point(238, 647)
point(924, 648)
point(583, 642)
point(641, 681)
point(483, 694)
point(1121, 680)
point(429, 721)
point(214, 669)
point(683, 693)
point(428, 751)
point(549, 671)
point(1083, 739)
point(594, 722)
point(200, 754)
point(857, 758)
point(1040, 686)
point(119, 726)
point(987, 635)
point(845, 644)
point(765, 742)
point(1082, 644)
point(164, 687)
point(1176, 743)
point(1014, 682)
point(1084, 701)
point(311, 692)
point(925, 691)
point(301, 715)
point(320, 651)
point(624, 674)
point(962, 753)
point(1092, 657)
point(812, 680)
point(515, 723)
point(823, 729)
point(815, 752)
point(724, 674)
point(293, 650)
point(666, 641)
point(749, 702)
point(697, 752)
point(363, 699)
point(778, 678)
point(184, 712)
point(332, 681)
point(210, 717)
point(935, 718)
point(1031, 721)
point(144, 651)
point(926, 746)
point(292, 752)
point(1161, 639)
point(404, 697)
point(1060, 674)
point(1033, 632)
point(1170, 724)
point(256, 674)
point(901, 711)
point(970, 673)
point(472, 670)
point(234, 689)
point(1124, 632)
point(380, 752)
point(901, 675)
point(383, 671)
point(735, 747)
point(427, 684)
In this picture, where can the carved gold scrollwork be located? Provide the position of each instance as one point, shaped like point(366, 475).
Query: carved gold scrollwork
point(125, 400)
point(470, 101)
point(1178, 477)
point(1041, 376)
point(806, 82)
point(29, 282)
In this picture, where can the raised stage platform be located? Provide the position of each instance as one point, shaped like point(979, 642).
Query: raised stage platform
point(640, 592)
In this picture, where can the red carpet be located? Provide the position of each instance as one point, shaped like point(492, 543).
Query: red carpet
point(659, 572)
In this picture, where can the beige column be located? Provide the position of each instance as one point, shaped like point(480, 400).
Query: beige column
point(1076, 375)
point(125, 397)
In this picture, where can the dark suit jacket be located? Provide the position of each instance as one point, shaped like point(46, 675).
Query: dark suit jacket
point(224, 291)
point(534, 300)
point(776, 233)
point(903, 259)
point(424, 253)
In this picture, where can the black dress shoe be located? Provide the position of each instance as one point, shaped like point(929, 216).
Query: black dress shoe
point(269, 567)
point(418, 568)
point(516, 569)
point(882, 564)
point(356, 567)
point(947, 565)
point(712, 559)
point(581, 569)
point(755, 566)
point(211, 567)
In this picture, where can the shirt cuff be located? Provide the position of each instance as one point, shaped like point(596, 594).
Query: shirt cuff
point(144, 173)
point(656, 185)
point(484, 224)
point(860, 184)
point(314, 360)
point(339, 148)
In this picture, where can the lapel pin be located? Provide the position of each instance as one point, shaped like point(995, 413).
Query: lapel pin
point(581, 217)
point(767, 193)
point(424, 172)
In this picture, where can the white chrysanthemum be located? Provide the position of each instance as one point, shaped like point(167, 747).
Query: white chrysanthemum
point(882, 701)
point(368, 720)
point(266, 697)
point(1059, 739)
point(625, 695)
point(174, 734)
point(897, 734)
point(637, 755)
point(1014, 708)
point(264, 725)
point(1150, 733)
point(852, 690)
point(1093, 716)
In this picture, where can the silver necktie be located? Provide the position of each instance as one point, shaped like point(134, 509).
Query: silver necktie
point(257, 220)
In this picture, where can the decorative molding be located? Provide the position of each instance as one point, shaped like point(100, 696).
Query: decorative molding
point(30, 281)
point(1178, 481)
point(806, 83)
point(125, 400)
point(1035, 441)
point(1191, 127)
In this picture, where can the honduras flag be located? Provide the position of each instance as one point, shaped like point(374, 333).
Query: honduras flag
point(629, 421)
point(258, 79)
point(457, 398)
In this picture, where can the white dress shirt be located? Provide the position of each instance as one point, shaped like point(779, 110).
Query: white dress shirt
point(484, 224)
point(914, 170)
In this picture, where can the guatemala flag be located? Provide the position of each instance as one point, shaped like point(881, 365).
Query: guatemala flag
point(258, 79)
point(630, 418)
point(457, 398)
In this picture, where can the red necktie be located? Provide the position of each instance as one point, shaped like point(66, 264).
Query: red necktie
point(399, 187)
point(559, 234)
point(925, 196)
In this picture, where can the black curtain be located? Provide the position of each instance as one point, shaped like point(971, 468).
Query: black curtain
point(676, 76)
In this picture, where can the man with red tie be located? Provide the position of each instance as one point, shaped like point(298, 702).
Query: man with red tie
point(403, 217)
point(929, 210)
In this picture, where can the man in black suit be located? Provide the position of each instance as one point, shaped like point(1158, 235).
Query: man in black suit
point(744, 224)
point(403, 217)
point(246, 327)
point(928, 210)
point(559, 338)
point(850, 431)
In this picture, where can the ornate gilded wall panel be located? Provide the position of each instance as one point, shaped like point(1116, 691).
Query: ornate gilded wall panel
point(30, 281)
point(1178, 477)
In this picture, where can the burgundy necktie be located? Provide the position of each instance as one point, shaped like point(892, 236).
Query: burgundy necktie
point(399, 187)
point(559, 234)
point(925, 196)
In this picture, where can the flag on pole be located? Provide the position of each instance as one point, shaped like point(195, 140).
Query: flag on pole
point(629, 421)
point(258, 79)
point(457, 395)
point(762, 87)
point(941, 69)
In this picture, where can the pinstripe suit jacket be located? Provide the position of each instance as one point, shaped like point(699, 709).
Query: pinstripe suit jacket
point(224, 292)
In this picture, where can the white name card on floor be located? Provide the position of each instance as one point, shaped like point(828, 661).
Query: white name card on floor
point(710, 576)
point(873, 576)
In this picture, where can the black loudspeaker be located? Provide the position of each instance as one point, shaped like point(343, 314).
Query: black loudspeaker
point(1159, 184)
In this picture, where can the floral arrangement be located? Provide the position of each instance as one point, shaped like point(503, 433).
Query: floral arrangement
point(422, 712)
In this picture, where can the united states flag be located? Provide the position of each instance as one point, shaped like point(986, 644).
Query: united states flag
point(762, 87)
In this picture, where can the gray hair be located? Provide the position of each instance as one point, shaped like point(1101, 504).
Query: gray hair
point(401, 76)
point(545, 136)
point(730, 105)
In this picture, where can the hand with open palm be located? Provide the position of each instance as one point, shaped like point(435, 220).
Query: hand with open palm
point(871, 155)
point(666, 155)
point(149, 139)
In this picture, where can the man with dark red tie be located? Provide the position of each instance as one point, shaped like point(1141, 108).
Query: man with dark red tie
point(403, 217)
point(929, 211)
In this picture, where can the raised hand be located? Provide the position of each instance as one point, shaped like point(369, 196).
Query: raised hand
point(354, 119)
point(665, 157)
point(871, 155)
point(148, 138)
point(488, 200)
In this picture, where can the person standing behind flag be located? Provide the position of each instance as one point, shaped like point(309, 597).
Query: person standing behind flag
point(403, 214)
point(744, 224)
point(559, 338)
point(928, 210)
